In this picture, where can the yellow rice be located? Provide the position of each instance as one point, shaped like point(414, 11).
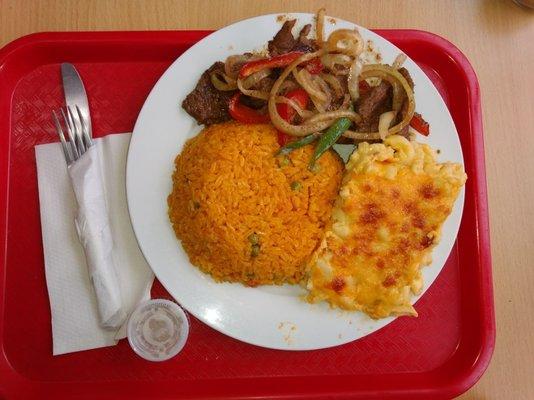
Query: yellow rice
point(230, 192)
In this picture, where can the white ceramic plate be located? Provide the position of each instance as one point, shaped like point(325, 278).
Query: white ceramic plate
point(266, 316)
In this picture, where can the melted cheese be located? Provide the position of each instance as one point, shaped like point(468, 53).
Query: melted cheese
point(386, 220)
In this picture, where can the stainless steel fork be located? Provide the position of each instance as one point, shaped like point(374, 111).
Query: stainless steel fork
point(78, 140)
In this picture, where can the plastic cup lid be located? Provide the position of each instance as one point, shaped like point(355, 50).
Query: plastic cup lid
point(158, 329)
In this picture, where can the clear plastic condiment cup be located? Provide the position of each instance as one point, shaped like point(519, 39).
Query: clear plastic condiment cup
point(158, 329)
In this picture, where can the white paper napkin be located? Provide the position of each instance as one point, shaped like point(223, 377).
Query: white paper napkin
point(75, 315)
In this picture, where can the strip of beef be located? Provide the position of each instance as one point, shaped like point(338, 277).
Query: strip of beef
point(205, 103)
point(375, 102)
point(304, 43)
point(303, 35)
point(284, 41)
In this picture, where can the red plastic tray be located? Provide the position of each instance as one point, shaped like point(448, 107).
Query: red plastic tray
point(439, 355)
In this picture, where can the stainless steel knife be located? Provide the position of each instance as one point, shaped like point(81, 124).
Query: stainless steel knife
point(75, 93)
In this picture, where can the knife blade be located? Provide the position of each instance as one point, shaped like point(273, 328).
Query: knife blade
point(75, 94)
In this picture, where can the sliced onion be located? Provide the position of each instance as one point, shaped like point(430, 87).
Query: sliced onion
point(334, 115)
point(288, 85)
point(345, 41)
point(233, 64)
point(258, 94)
point(253, 79)
point(333, 61)
point(346, 102)
point(398, 96)
point(319, 29)
point(303, 77)
point(323, 86)
point(334, 83)
point(293, 104)
point(384, 122)
point(316, 87)
point(373, 81)
point(225, 84)
point(300, 130)
point(353, 81)
point(399, 60)
point(319, 105)
point(361, 135)
point(412, 134)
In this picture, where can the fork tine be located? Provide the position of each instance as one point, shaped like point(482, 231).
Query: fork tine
point(59, 130)
point(85, 132)
point(72, 139)
point(77, 131)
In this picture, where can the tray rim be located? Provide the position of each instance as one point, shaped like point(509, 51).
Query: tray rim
point(14, 382)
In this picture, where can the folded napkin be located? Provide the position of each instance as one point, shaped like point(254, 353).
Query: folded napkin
point(75, 311)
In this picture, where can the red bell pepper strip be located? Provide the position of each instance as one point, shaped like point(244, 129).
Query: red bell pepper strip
point(420, 125)
point(287, 113)
point(299, 96)
point(244, 114)
point(273, 62)
point(314, 66)
point(284, 138)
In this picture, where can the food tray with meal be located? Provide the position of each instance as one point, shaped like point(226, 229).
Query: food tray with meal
point(440, 353)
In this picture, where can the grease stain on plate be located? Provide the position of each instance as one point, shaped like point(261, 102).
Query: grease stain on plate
point(371, 53)
point(288, 329)
point(283, 18)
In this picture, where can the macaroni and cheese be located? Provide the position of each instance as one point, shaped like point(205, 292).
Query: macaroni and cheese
point(388, 216)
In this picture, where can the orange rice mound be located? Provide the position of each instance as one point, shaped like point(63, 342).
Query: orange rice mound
point(244, 214)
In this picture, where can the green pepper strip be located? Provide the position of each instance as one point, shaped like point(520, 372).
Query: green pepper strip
point(297, 144)
point(329, 138)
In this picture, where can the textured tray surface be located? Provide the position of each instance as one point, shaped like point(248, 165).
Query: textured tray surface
point(447, 336)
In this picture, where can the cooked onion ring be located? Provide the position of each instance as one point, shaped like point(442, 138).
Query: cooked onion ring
point(319, 28)
point(303, 77)
point(361, 135)
point(399, 60)
point(233, 64)
point(303, 113)
point(258, 94)
point(333, 82)
point(345, 41)
point(384, 122)
point(323, 86)
point(333, 115)
point(346, 102)
point(398, 96)
point(353, 81)
point(224, 84)
point(319, 106)
point(333, 61)
point(253, 79)
point(288, 85)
